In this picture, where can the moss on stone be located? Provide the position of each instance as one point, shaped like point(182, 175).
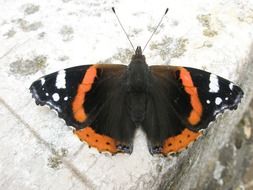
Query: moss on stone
point(67, 33)
point(10, 33)
point(31, 9)
point(55, 161)
point(123, 55)
point(28, 27)
point(28, 66)
point(170, 47)
point(206, 21)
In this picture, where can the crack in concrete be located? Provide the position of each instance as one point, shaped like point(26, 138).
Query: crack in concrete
point(88, 184)
point(79, 150)
point(13, 47)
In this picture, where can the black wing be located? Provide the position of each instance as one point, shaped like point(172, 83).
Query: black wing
point(90, 98)
point(183, 101)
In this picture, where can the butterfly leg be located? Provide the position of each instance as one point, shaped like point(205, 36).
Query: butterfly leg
point(154, 148)
point(125, 148)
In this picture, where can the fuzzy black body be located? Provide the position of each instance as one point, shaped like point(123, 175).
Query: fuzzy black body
point(137, 87)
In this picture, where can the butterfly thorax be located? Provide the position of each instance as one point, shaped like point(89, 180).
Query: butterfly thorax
point(137, 82)
point(137, 75)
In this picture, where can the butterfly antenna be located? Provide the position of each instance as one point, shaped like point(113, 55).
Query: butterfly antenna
point(123, 28)
point(156, 29)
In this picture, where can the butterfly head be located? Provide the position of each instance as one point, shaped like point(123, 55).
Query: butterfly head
point(138, 50)
point(138, 54)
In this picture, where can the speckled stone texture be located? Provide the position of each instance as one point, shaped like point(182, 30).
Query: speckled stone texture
point(38, 151)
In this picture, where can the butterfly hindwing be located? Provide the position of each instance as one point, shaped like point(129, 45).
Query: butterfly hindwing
point(163, 118)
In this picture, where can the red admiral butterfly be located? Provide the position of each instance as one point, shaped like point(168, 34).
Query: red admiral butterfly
point(106, 103)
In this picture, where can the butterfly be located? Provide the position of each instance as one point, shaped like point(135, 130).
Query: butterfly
point(106, 103)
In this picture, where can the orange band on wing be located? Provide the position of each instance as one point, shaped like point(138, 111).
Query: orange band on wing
point(190, 89)
point(101, 142)
point(83, 88)
point(179, 142)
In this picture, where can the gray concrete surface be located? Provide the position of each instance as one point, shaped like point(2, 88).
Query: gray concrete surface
point(38, 151)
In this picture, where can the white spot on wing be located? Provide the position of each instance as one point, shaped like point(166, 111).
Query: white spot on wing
point(231, 85)
point(218, 101)
point(42, 81)
point(47, 94)
point(213, 84)
point(226, 98)
point(60, 79)
point(56, 97)
point(66, 98)
point(208, 101)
